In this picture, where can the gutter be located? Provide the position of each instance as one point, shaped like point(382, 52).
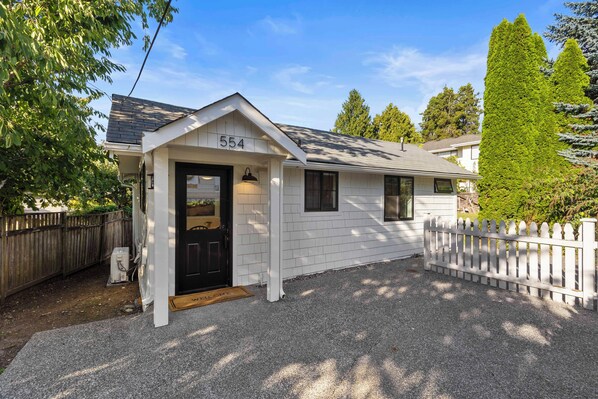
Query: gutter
point(122, 148)
point(381, 171)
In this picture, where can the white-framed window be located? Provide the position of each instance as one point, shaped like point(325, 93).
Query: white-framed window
point(443, 154)
point(475, 151)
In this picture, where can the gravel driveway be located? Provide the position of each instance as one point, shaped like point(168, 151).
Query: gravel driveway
point(386, 330)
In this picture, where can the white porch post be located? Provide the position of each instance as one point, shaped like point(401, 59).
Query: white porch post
point(161, 237)
point(274, 289)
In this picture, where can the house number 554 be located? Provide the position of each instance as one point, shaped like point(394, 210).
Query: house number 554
point(231, 142)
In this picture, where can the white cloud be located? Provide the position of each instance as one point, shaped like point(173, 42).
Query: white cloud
point(281, 26)
point(288, 77)
point(300, 79)
point(408, 68)
point(168, 46)
point(205, 46)
point(314, 112)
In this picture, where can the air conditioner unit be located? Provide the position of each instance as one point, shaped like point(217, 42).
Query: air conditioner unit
point(119, 265)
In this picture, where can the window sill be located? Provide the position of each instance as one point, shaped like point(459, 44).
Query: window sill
point(321, 213)
point(400, 220)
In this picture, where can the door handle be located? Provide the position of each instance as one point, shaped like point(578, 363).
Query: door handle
point(226, 236)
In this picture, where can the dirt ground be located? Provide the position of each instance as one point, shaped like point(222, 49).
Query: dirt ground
point(79, 298)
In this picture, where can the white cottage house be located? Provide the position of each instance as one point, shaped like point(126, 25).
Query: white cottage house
point(224, 197)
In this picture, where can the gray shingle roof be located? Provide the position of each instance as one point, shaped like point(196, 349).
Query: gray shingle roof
point(130, 117)
point(448, 143)
point(329, 147)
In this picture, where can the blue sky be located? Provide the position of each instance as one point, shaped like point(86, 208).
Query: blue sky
point(297, 61)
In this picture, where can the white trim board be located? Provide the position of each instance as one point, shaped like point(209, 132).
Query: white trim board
point(203, 116)
point(380, 171)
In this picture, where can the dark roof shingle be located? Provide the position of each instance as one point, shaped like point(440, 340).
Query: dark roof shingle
point(328, 147)
point(130, 117)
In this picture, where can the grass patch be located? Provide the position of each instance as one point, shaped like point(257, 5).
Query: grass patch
point(2, 370)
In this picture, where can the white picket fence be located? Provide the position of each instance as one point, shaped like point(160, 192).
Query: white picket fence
point(546, 263)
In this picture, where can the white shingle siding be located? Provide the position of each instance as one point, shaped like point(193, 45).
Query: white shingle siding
point(319, 241)
point(233, 126)
point(251, 228)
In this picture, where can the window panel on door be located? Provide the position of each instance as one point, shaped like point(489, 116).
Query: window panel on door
point(203, 202)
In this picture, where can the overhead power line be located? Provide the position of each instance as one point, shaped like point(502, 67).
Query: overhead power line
point(150, 47)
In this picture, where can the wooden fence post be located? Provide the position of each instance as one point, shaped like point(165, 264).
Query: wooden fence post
point(3, 260)
point(427, 242)
point(589, 261)
point(103, 218)
point(63, 243)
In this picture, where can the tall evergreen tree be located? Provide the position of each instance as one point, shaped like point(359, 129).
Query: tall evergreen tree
point(570, 80)
point(547, 140)
point(451, 114)
point(438, 119)
point(354, 119)
point(583, 27)
point(467, 110)
point(392, 124)
point(517, 123)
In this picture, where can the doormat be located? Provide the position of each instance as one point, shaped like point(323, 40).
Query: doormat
point(182, 302)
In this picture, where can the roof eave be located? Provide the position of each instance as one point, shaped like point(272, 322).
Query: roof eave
point(377, 170)
point(123, 148)
point(466, 143)
point(184, 125)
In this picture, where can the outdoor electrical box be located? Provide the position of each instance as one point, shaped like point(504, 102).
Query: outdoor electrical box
point(119, 265)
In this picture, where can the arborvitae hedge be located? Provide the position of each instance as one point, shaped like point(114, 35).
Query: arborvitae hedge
point(518, 127)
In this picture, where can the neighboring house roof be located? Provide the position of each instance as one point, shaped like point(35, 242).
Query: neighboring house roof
point(130, 117)
point(452, 143)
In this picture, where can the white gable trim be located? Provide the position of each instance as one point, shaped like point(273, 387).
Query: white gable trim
point(180, 127)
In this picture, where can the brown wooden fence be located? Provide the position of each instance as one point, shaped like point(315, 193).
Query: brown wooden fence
point(38, 246)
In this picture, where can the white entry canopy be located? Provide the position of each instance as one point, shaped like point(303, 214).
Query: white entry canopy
point(235, 102)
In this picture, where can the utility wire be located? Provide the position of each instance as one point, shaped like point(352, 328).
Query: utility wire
point(150, 47)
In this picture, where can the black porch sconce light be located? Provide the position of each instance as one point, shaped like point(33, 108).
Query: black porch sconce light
point(248, 176)
point(150, 185)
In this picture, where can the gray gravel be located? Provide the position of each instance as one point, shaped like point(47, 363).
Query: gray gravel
point(387, 330)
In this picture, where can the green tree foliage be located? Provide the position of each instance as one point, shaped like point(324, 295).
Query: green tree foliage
point(354, 118)
point(518, 136)
point(451, 114)
point(438, 120)
point(583, 27)
point(575, 197)
point(51, 53)
point(468, 110)
point(546, 164)
point(392, 124)
point(101, 187)
point(570, 78)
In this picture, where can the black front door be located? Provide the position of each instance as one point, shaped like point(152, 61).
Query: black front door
point(203, 206)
